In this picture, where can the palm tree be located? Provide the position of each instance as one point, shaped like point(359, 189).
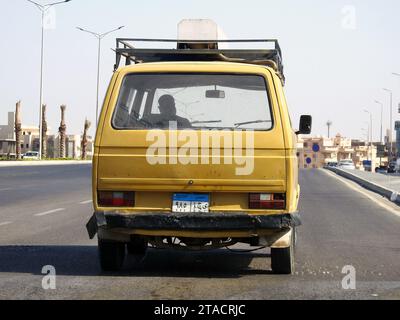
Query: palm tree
point(62, 130)
point(44, 132)
point(18, 130)
point(84, 142)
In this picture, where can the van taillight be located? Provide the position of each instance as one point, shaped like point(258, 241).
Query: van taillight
point(116, 199)
point(275, 201)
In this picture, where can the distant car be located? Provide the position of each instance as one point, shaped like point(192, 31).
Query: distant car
point(332, 164)
point(346, 164)
point(381, 169)
point(33, 155)
point(392, 167)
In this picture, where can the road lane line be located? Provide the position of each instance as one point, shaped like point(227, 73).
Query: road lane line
point(5, 223)
point(86, 202)
point(48, 212)
point(360, 189)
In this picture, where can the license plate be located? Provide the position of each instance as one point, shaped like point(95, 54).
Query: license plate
point(190, 202)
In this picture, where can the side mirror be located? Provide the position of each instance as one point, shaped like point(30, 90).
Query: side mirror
point(305, 125)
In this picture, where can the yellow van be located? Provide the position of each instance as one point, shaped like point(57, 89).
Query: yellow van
point(195, 151)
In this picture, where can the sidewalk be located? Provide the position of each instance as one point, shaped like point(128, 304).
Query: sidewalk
point(386, 185)
point(5, 164)
point(391, 181)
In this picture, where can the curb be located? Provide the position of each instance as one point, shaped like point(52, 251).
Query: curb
point(8, 164)
point(393, 196)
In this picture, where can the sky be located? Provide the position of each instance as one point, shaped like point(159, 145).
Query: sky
point(338, 55)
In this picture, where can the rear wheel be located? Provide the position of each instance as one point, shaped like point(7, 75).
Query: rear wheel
point(282, 259)
point(111, 255)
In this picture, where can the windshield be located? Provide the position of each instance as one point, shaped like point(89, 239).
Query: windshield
point(193, 101)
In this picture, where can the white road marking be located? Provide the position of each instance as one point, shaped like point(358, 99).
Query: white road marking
point(48, 212)
point(5, 223)
point(86, 202)
point(359, 189)
point(6, 189)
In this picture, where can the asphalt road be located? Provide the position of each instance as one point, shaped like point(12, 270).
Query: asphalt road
point(43, 211)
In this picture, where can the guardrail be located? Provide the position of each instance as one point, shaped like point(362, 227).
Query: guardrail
point(374, 187)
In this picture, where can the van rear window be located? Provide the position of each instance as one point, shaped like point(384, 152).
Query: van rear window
point(193, 101)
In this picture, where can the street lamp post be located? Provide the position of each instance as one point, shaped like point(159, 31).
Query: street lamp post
point(329, 124)
point(391, 124)
point(368, 137)
point(381, 104)
point(99, 37)
point(43, 9)
point(397, 75)
point(370, 133)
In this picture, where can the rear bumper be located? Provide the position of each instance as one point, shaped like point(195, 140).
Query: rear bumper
point(191, 222)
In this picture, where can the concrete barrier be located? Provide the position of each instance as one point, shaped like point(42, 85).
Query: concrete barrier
point(385, 192)
point(5, 164)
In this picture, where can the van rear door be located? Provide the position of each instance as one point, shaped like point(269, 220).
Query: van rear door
point(223, 133)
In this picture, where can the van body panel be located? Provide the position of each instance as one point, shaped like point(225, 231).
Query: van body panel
point(120, 160)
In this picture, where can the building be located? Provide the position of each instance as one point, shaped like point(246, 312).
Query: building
point(73, 147)
point(7, 131)
point(317, 152)
point(7, 148)
point(30, 141)
point(7, 137)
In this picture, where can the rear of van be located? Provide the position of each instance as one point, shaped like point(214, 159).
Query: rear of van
point(195, 155)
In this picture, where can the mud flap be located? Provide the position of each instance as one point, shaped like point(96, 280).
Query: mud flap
point(284, 241)
point(97, 220)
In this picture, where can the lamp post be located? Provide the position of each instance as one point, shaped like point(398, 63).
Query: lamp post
point(367, 135)
point(381, 104)
point(43, 9)
point(329, 124)
point(370, 132)
point(397, 75)
point(371, 121)
point(99, 37)
point(391, 124)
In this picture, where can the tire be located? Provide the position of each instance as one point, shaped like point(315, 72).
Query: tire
point(282, 259)
point(137, 246)
point(111, 255)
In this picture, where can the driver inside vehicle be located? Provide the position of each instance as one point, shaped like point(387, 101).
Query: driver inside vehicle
point(168, 114)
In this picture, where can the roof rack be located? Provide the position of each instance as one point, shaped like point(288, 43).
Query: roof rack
point(200, 50)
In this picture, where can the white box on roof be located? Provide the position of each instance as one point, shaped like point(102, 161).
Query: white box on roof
point(197, 29)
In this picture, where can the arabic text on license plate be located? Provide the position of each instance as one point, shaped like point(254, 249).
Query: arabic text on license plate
point(185, 202)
